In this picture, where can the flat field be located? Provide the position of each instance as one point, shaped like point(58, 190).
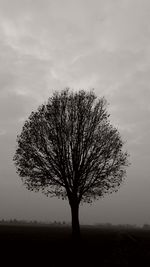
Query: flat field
point(52, 246)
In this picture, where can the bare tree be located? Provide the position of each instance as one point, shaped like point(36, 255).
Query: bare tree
point(69, 149)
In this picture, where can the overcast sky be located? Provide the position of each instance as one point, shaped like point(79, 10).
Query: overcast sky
point(102, 44)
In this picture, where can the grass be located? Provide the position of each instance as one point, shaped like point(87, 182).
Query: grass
point(52, 246)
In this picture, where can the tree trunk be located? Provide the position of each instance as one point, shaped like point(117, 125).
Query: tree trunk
point(75, 221)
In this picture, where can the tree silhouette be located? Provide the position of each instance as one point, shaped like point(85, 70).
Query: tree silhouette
point(69, 149)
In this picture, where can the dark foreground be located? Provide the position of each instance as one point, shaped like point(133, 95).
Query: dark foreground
point(52, 246)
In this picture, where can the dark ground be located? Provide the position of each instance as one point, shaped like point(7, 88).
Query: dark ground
point(52, 246)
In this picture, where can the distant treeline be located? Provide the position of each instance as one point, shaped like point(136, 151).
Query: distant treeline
point(64, 223)
point(123, 226)
point(32, 222)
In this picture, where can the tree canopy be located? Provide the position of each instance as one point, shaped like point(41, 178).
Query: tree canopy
point(68, 148)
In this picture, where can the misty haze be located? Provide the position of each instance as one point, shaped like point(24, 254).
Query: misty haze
point(88, 46)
